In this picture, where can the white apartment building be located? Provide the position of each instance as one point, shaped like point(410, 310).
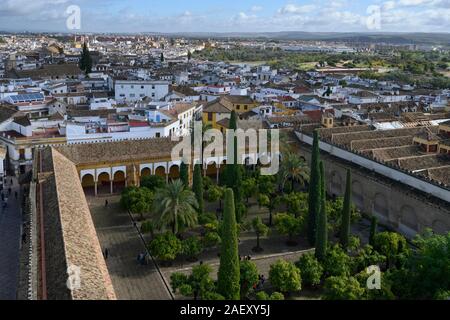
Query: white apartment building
point(131, 90)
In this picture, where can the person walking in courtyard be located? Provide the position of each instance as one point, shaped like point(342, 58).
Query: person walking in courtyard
point(106, 203)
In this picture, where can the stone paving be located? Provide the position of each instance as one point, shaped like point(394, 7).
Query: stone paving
point(132, 281)
point(10, 238)
point(116, 232)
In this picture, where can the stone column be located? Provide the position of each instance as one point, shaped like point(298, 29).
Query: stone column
point(111, 186)
point(95, 187)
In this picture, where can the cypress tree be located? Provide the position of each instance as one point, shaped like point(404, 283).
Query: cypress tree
point(228, 276)
point(323, 192)
point(322, 232)
point(346, 212)
point(85, 60)
point(162, 57)
point(314, 191)
point(373, 230)
point(197, 186)
point(184, 174)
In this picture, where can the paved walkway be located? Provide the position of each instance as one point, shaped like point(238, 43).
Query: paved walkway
point(10, 237)
point(116, 232)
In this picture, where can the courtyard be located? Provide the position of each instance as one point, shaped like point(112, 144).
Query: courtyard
point(119, 232)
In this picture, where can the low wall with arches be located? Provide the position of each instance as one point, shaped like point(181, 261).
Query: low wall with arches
point(396, 205)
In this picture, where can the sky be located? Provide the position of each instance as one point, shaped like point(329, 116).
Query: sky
point(170, 16)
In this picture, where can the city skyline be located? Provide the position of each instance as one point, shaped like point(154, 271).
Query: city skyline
point(245, 16)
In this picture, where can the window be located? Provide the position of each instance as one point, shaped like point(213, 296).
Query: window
point(153, 95)
point(142, 87)
point(210, 117)
point(132, 87)
point(246, 107)
point(158, 135)
point(153, 87)
point(132, 95)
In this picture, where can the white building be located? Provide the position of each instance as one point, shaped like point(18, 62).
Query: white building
point(131, 90)
point(102, 103)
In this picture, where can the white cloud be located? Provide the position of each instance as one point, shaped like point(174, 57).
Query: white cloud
point(414, 2)
point(337, 3)
point(256, 9)
point(311, 15)
point(25, 7)
point(296, 9)
point(388, 5)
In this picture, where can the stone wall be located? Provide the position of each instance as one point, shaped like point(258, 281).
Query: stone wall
point(395, 204)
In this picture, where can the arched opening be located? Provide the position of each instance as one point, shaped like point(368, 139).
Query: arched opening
point(88, 184)
point(336, 183)
point(408, 223)
point(145, 172)
point(160, 171)
point(380, 206)
point(119, 181)
point(211, 170)
point(103, 183)
point(174, 172)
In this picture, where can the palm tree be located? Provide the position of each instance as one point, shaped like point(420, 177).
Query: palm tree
point(295, 169)
point(175, 206)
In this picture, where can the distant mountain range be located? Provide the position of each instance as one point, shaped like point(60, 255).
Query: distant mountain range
point(393, 38)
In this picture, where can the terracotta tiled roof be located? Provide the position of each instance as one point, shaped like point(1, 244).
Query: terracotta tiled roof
point(117, 151)
point(386, 154)
point(50, 71)
point(185, 90)
point(442, 175)
point(348, 138)
point(73, 112)
point(70, 237)
point(217, 106)
point(7, 112)
point(370, 144)
point(23, 121)
point(427, 162)
point(238, 99)
point(177, 109)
